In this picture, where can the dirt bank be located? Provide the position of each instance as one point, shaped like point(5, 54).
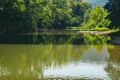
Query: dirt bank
point(98, 32)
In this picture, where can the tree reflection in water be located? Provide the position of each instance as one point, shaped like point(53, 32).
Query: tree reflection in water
point(113, 67)
point(21, 62)
point(31, 60)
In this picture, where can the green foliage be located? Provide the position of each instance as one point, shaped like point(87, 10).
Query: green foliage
point(100, 29)
point(31, 15)
point(113, 6)
point(96, 39)
point(19, 15)
point(96, 18)
point(78, 11)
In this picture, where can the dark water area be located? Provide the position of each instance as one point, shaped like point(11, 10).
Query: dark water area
point(38, 39)
point(115, 38)
point(59, 57)
point(74, 39)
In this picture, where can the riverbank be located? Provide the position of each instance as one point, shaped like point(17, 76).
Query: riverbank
point(99, 32)
point(70, 32)
point(65, 32)
point(115, 38)
point(62, 37)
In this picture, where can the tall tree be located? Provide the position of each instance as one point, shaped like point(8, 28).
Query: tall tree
point(79, 9)
point(113, 6)
point(19, 15)
point(62, 14)
point(96, 18)
point(7, 11)
point(45, 19)
point(32, 14)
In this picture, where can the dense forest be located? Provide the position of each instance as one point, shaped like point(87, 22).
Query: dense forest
point(18, 16)
point(113, 6)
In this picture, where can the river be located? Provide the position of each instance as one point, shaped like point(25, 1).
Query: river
point(59, 57)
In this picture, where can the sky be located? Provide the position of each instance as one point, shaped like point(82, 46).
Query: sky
point(97, 2)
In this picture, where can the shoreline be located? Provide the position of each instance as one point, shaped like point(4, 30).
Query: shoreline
point(99, 32)
point(66, 32)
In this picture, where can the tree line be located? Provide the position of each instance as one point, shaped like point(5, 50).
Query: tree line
point(30, 15)
point(113, 7)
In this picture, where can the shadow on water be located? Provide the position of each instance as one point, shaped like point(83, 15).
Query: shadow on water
point(113, 66)
point(115, 38)
point(75, 39)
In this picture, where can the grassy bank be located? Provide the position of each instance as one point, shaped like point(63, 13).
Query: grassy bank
point(93, 29)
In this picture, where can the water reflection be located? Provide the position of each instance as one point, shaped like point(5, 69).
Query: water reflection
point(113, 66)
point(79, 70)
point(77, 56)
point(96, 39)
point(90, 66)
point(75, 39)
point(32, 62)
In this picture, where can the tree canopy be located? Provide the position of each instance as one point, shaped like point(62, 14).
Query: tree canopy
point(96, 18)
point(113, 6)
point(30, 15)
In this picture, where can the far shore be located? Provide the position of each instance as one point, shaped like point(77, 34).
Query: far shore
point(70, 32)
point(99, 32)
